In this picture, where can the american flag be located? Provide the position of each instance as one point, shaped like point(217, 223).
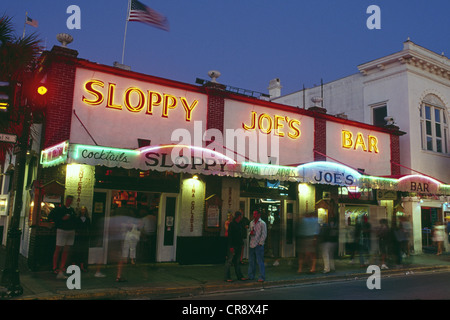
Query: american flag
point(32, 22)
point(140, 12)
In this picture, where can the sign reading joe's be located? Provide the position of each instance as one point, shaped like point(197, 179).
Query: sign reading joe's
point(323, 172)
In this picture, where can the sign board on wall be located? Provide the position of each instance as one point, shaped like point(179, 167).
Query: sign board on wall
point(135, 109)
point(192, 208)
point(175, 158)
point(322, 172)
point(80, 180)
point(419, 184)
point(266, 135)
point(359, 148)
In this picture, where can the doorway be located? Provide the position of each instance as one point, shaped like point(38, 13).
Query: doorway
point(429, 216)
point(144, 206)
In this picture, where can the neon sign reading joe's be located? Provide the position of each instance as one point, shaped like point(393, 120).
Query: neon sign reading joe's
point(134, 99)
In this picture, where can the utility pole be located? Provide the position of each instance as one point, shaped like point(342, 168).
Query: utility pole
point(10, 276)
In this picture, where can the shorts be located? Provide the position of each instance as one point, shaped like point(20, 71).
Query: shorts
point(65, 237)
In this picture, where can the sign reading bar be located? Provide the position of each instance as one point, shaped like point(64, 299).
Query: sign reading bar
point(54, 155)
point(419, 184)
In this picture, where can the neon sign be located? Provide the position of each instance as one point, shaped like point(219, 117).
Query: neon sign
point(54, 155)
point(268, 124)
point(269, 171)
point(418, 183)
point(197, 159)
point(134, 99)
point(349, 142)
point(324, 172)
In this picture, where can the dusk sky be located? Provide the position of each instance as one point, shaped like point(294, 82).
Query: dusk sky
point(249, 41)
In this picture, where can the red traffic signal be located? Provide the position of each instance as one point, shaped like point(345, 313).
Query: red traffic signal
point(42, 90)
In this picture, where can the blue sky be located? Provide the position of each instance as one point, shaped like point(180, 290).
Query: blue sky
point(249, 41)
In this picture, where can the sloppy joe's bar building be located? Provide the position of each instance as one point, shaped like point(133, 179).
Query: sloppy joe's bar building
point(192, 154)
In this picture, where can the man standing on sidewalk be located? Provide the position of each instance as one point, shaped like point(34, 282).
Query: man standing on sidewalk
point(64, 219)
point(234, 247)
point(258, 234)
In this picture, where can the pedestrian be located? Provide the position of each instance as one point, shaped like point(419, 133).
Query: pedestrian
point(350, 239)
point(439, 236)
point(244, 225)
point(148, 235)
point(448, 227)
point(407, 228)
point(258, 235)
point(227, 222)
point(234, 248)
point(362, 238)
point(329, 240)
point(64, 220)
point(132, 236)
point(120, 224)
point(307, 233)
point(82, 237)
point(383, 234)
point(276, 237)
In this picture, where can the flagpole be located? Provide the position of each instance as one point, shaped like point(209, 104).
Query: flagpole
point(126, 25)
point(25, 24)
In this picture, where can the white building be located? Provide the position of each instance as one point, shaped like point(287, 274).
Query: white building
point(412, 87)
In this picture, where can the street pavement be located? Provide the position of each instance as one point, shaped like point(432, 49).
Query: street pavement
point(159, 281)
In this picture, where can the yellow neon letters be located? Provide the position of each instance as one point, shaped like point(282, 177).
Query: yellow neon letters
point(135, 99)
point(89, 88)
point(268, 124)
point(348, 142)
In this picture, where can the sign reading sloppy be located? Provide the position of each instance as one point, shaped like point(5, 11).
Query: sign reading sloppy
point(134, 99)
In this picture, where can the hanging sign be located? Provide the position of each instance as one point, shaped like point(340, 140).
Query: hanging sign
point(419, 184)
point(175, 158)
point(322, 172)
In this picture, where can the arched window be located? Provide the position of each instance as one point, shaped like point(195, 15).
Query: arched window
point(434, 125)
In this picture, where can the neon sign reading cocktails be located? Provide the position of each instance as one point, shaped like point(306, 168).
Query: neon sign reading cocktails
point(134, 99)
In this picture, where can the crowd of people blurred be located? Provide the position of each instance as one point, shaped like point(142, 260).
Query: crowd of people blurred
point(132, 236)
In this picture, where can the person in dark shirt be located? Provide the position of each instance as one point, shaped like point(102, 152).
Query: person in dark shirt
point(65, 222)
point(234, 248)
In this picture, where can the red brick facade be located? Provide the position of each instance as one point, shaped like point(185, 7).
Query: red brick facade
point(320, 139)
point(395, 155)
point(61, 69)
point(216, 107)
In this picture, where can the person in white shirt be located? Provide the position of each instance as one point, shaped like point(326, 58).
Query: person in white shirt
point(258, 235)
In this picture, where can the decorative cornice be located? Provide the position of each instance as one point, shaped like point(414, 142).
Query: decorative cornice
point(412, 55)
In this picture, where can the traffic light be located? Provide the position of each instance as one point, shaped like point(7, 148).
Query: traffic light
point(6, 96)
point(38, 95)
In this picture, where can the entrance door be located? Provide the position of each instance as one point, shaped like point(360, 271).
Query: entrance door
point(429, 218)
point(167, 227)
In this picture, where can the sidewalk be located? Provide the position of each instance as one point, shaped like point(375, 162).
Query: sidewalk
point(164, 280)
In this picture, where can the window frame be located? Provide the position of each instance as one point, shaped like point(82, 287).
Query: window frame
point(434, 127)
